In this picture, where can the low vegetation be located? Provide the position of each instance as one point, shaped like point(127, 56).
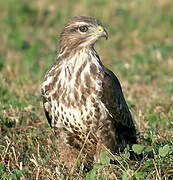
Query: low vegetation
point(139, 51)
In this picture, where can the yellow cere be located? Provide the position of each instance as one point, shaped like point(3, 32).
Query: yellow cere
point(100, 28)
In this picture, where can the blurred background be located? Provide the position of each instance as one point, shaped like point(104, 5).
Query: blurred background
point(139, 51)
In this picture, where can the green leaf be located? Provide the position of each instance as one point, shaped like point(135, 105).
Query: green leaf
point(124, 175)
point(148, 149)
point(164, 151)
point(139, 175)
point(97, 166)
point(138, 149)
point(104, 158)
point(1, 167)
point(126, 153)
point(91, 175)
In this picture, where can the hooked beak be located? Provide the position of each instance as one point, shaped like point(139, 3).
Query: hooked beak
point(102, 32)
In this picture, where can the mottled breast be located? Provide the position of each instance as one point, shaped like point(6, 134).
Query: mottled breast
point(73, 90)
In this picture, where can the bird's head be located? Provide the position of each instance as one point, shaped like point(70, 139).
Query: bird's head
point(81, 31)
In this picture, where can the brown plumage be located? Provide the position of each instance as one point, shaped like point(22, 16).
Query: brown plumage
point(83, 99)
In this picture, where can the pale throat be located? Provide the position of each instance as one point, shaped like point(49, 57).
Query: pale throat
point(80, 59)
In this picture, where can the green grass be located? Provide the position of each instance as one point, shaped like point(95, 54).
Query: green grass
point(139, 51)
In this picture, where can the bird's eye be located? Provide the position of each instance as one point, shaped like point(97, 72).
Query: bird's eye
point(83, 28)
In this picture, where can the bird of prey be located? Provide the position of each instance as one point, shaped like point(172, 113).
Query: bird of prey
point(82, 99)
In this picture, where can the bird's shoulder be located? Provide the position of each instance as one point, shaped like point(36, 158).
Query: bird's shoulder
point(114, 100)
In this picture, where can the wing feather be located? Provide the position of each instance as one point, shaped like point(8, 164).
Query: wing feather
point(114, 101)
point(46, 110)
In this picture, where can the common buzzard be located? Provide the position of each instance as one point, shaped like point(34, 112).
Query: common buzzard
point(83, 100)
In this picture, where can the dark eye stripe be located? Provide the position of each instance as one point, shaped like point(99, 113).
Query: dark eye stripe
point(83, 28)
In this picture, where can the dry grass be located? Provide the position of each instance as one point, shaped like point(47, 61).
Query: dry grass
point(141, 55)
